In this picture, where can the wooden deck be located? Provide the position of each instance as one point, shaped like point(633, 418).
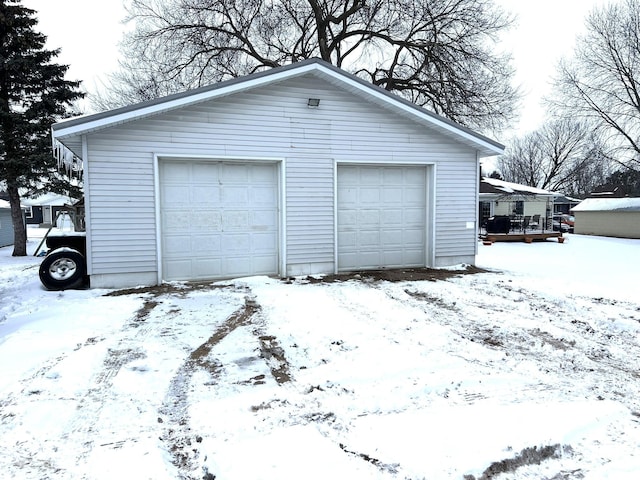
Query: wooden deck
point(528, 237)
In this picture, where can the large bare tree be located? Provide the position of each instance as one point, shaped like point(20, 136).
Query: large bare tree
point(437, 53)
point(563, 155)
point(602, 81)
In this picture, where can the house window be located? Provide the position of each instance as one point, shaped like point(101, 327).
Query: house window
point(29, 212)
point(519, 210)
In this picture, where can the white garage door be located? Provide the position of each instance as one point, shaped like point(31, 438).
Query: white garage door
point(381, 217)
point(218, 219)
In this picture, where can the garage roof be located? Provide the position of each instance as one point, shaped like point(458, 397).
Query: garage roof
point(500, 187)
point(627, 204)
point(69, 131)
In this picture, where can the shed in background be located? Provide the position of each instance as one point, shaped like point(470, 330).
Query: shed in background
point(6, 225)
point(609, 217)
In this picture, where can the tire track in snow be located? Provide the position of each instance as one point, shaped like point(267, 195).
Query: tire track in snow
point(549, 332)
point(178, 436)
point(83, 429)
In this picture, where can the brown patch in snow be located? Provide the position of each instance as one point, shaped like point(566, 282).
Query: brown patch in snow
point(394, 275)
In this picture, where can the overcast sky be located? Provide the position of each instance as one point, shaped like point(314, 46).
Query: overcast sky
point(88, 33)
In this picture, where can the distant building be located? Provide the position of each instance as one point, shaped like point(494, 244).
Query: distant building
point(498, 197)
point(6, 224)
point(562, 204)
point(42, 210)
point(609, 217)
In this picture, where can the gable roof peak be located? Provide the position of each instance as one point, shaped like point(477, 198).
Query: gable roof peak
point(86, 124)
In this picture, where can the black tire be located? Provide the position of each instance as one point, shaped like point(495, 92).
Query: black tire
point(63, 270)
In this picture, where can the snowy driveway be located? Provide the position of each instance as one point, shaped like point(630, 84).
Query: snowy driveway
point(526, 371)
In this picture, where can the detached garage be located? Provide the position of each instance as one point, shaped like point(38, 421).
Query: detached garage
point(299, 170)
point(609, 217)
point(6, 224)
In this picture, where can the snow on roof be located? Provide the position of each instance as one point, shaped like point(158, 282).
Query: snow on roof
point(4, 204)
point(48, 199)
point(508, 187)
point(626, 204)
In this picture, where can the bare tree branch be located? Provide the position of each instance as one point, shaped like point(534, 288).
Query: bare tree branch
point(602, 81)
point(437, 53)
point(563, 155)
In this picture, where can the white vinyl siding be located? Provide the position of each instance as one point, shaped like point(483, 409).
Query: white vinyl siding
point(273, 122)
point(456, 205)
point(611, 223)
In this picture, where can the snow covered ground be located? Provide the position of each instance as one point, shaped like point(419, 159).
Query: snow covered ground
point(532, 369)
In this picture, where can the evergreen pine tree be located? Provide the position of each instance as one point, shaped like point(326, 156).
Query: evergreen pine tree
point(33, 95)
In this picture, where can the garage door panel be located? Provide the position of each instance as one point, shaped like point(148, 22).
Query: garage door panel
point(368, 238)
point(234, 195)
point(347, 196)
point(233, 243)
point(414, 257)
point(205, 195)
point(368, 217)
point(391, 238)
point(176, 221)
point(178, 268)
point(347, 218)
point(265, 264)
point(369, 194)
point(175, 172)
point(267, 194)
point(237, 220)
point(369, 176)
point(381, 216)
point(347, 239)
point(216, 222)
point(263, 220)
point(237, 265)
point(392, 195)
point(175, 196)
point(394, 258)
point(207, 266)
point(393, 176)
point(413, 237)
point(262, 174)
point(174, 244)
point(234, 173)
point(413, 196)
point(412, 216)
point(206, 243)
point(265, 242)
point(392, 216)
point(207, 220)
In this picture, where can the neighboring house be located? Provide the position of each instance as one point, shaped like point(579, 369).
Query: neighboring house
point(609, 217)
point(562, 204)
point(6, 224)
point(498, 197)
point(303, 169)
point(42, 210)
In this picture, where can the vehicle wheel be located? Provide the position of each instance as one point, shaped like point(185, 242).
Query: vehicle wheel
point(62, 270)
